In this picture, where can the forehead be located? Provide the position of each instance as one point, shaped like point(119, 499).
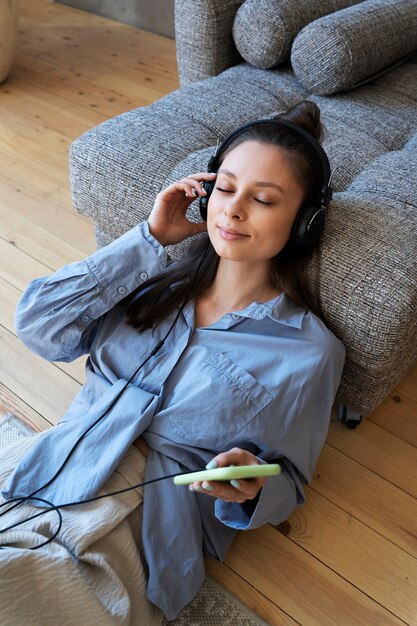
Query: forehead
point(259, 161)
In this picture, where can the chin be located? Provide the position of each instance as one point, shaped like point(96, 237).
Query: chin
point(240, 251)
point(238, 256)
point(230, 250)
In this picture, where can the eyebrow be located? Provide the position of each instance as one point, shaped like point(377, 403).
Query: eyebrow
point(257, 184)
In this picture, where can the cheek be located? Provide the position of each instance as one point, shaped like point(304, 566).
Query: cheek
point(210, 222)
point(277, 231)
point(211, 216)
point(212, 230)
point(273, 235)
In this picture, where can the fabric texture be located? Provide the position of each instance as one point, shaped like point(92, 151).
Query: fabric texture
point(118, 168)
point(277, 408)
point(378, 213)
point(12, 430)
point(341, 50)
point(106, 580)
point(263, 30)
point(203, 38)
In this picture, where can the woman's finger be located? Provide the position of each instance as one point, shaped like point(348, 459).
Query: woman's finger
point(248, 487)
point(226, 492)
point(240, 491)
point(191, 185)
point(194, 187)
point(202, 176)
point(234, 456)
point(189, 188)
point(196, 181)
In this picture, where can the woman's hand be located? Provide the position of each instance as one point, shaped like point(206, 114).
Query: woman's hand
point(236, 490)
point(167, 221)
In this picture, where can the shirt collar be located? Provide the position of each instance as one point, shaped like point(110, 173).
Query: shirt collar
point(281, 309)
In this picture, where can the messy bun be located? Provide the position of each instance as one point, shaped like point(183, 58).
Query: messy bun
point(306, 115)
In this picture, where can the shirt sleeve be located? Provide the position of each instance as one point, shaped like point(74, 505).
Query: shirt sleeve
point(297, 450)
point(57, 316)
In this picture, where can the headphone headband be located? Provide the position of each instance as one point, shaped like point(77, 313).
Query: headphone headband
point(213, 164)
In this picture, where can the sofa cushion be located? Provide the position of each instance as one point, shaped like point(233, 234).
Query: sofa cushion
point(345, 49)
point(203, 38)
point(369, 276)
point(264, 30)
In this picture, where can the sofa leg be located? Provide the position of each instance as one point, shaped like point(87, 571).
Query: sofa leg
point(348, 416)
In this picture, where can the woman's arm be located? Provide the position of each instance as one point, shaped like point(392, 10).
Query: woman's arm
point(57, 316)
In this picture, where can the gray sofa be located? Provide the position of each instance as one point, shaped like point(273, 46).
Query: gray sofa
point(240, 61)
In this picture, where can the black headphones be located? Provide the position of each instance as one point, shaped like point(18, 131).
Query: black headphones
point(309, 223)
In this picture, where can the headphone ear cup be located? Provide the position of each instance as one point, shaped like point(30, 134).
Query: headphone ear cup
point(208, 186)
point(307, 228)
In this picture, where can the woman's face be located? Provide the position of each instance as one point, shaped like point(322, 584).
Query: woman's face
point(254, 203)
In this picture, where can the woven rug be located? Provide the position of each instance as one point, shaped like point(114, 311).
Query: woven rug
point(212, 606)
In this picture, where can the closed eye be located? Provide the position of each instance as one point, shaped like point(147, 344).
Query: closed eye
point(232, 191)
point(224, 190)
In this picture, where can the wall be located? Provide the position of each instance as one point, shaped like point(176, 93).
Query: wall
point(156, 16)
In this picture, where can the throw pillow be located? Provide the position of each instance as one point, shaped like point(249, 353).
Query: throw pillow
point(263, 30)
point(354, 45)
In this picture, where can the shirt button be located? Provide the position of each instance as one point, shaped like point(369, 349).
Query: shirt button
point(235, 317)
point(122, 290)
point(143, 276)
point(85, 318)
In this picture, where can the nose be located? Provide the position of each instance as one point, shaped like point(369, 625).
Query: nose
point(234, 208)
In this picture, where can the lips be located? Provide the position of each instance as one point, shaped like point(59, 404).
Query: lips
point(231, 233)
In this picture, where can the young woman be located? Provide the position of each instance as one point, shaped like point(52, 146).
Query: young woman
point(218, 359)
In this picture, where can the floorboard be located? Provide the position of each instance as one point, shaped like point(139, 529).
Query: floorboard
point(347, 557)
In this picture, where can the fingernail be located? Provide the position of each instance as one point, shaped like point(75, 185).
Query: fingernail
point(235, 484)
point(192, 488)
point(206, 486)
point(211, 465)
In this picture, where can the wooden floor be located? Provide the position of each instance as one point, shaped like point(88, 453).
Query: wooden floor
point(349, 556)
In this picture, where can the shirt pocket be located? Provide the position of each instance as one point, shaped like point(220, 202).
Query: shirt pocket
point(208, 400)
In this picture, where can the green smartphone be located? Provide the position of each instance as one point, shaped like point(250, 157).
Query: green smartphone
point(229, 473)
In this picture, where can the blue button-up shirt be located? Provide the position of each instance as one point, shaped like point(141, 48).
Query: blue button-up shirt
point(263, 379)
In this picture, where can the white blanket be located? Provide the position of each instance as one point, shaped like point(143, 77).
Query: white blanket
point(92, 573)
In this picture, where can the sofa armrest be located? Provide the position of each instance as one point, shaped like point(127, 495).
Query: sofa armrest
point(204, 38)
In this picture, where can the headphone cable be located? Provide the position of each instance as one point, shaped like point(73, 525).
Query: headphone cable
point(154, 351)
point(56, 507)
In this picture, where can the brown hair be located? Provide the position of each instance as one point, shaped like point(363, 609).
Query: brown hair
point(192, 275)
